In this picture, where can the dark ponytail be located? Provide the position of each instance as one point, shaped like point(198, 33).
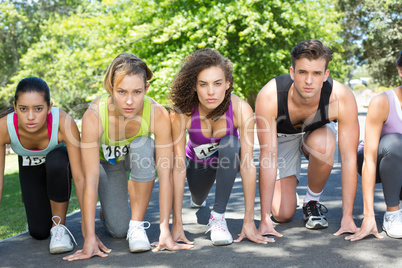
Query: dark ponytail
point(6, 111)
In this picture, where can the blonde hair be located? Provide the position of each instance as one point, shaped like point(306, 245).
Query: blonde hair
point(125, 64)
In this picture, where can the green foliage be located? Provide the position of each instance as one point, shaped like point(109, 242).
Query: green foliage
point(20, 27)
point(74, 52)
point(373, 35)
point(12, 42)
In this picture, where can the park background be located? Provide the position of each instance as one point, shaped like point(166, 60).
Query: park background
point(70, 43)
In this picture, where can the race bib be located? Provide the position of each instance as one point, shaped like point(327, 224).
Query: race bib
point(206, 150)
point(111, 153)
point(33, 160)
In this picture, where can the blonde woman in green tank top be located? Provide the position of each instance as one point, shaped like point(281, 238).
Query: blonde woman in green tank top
point(115, 139)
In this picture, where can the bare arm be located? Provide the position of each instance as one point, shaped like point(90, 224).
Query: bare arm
point(91, 131)
point(70, 135)
point(178, 122)
point(376, 116)
point(164, 166)
point(245, 121)
point(266, 113)
point(348, 139)
point(4, 139)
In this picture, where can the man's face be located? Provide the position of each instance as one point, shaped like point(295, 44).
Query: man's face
point(309, 76)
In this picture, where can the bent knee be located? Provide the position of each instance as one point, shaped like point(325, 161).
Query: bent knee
point(321, 141)
point(118, 232)
point(39, 234)
point(282, 218)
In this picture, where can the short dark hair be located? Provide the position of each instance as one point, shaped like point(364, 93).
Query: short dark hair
point(312, 49)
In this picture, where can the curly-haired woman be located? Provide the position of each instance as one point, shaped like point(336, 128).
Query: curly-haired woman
point(219, 124)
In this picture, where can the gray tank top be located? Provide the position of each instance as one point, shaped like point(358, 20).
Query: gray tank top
point(393, 124)
point(394, 120)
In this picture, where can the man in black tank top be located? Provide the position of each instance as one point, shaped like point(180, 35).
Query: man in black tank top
point(296, 114)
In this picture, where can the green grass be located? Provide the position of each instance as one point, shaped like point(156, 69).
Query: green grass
point(12, 212)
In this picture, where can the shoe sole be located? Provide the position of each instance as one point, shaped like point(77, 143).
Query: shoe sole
point(58, 250)
point(222, 243)
point(137, 250)
point(317, 225)
point(392, 236)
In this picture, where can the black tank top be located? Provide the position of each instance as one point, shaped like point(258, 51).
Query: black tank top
point(283, 124)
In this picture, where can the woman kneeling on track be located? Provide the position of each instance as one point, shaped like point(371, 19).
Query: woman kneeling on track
point(382, 155)
point(116, 131)
point(213, 117)
point(46, 140)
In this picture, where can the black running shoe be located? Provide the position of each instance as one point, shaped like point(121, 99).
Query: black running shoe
point(313, 215)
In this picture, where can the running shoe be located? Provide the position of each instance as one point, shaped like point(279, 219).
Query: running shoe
point(220, 234)
point(60, 238)
point(313, 215)
point(392, 224)
point(137, 237)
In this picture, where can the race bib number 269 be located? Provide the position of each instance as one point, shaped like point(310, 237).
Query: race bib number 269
point(113, 152)
point(33, 160)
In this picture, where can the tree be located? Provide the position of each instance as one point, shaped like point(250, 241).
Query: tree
point(373, 36)
point(74, 52)
point(20, 27)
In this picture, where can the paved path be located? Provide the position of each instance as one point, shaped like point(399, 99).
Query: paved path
point(299, 247)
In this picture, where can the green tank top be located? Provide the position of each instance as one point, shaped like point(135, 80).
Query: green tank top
point(114, 151)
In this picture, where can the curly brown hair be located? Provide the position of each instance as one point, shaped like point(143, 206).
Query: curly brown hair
point(183, 94)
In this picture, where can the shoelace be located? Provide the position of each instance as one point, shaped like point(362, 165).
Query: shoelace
point(59, 229)
point(316, 209)
point(216, 224)
point(133, 232)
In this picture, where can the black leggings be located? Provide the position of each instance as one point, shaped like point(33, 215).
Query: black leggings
point(201, 177)
point(389, 167)
point(39, 185)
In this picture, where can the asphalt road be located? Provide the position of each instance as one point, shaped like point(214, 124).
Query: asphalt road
point(299, 247)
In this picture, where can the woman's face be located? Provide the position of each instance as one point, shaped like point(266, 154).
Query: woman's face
point(211, 88)
point(129, 94)
point(32, 110)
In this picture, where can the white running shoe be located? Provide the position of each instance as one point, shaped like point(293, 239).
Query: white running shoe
point(220, 234)
point(60, 240)
point(392, 225)
point(194, 205)
point(137, 237)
